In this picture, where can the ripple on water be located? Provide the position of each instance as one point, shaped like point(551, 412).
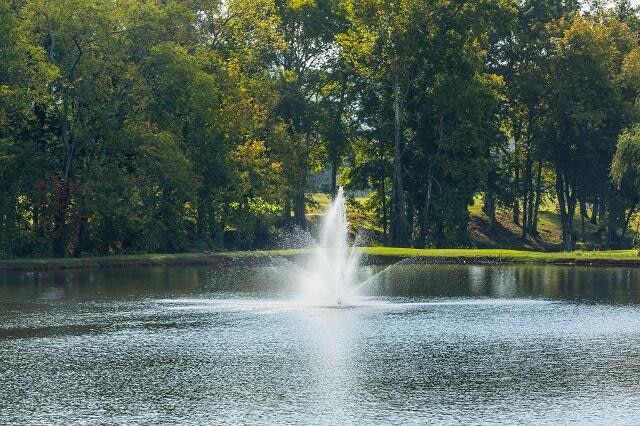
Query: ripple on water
point(178, 351)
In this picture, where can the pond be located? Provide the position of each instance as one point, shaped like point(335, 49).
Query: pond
point(425, 344)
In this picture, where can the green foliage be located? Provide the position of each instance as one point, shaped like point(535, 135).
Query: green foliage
point(625, 168)
point(119, 122)
point(170, 126)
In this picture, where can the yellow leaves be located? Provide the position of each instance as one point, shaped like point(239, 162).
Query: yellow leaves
point(289, 76)
point(495, 81)
point(258, 174)
point(604, 40)
point(357, 47)
point(631, 68)
point(301, 4)
point(357, 44)
point(252, 158)
point(253, 28)
point(276, 168)
point(249, 152)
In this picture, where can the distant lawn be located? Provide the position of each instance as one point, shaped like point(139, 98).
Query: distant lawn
point(507, 234)
point(320, 203)
point(371, 254)
point(507, 255)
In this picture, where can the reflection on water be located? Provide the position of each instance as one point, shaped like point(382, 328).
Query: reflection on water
point(436, 344)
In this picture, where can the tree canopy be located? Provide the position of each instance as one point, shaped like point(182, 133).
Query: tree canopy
point(182, 125)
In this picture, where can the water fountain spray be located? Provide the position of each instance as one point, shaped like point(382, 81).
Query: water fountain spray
point(333, 265)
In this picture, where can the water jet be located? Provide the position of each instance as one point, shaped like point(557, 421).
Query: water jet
point(333, 264)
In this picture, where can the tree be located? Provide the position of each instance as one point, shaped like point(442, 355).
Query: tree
point(625, 168)
point(308, 29)
point(522, 57)
point(586, 109)
point(420, 62)
point(380, 47)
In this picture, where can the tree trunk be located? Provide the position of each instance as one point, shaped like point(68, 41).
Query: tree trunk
point(286, 212)
point(515, 186)
point(583, 216)
point(299, 211)
point(59, 219)
point(81, 236)
point(59, 226)
point(594, 212)
point(616, 218)
point(427, 206)
point(59, 238)
point(429, 195)
point(398, 214)
point(8, 218)
point(602, 209)
point(202, 222)
point(334, 176)
point(516, 193)
point(489, 207)
point(567, 241)
point(36, 220)
point(538, 200)
point(570, 195)
point(527, 209)
point(612, 233)
point(383, 194)
point(410, 220)
point(628, 219)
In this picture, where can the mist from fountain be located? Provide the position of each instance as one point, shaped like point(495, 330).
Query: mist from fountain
point(333, 265)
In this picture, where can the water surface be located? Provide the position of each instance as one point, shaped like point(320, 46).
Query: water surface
point(428, 344)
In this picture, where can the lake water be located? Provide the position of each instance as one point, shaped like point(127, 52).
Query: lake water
point(445, 344)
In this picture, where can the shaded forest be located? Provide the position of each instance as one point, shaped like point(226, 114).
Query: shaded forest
point(178, 125)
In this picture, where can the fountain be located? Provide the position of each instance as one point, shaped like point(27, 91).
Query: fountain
point(332, 267)
point(330, 276)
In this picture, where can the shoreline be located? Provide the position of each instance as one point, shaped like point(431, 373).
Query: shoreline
point(370, 255)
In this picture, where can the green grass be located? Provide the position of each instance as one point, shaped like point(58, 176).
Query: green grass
point(475, 209)
point(384, 254)
point(507, 234)
point(320, 203)
point(505, 255)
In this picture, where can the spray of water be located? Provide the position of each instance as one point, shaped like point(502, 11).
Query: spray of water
point(330, 276)
point(333, 265)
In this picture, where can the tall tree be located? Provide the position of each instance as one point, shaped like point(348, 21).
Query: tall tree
point(586, 109)
point(308, 29)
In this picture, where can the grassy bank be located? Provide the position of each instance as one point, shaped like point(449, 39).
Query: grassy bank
point(371, 255)
point(135, 260)
point(610, 257)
